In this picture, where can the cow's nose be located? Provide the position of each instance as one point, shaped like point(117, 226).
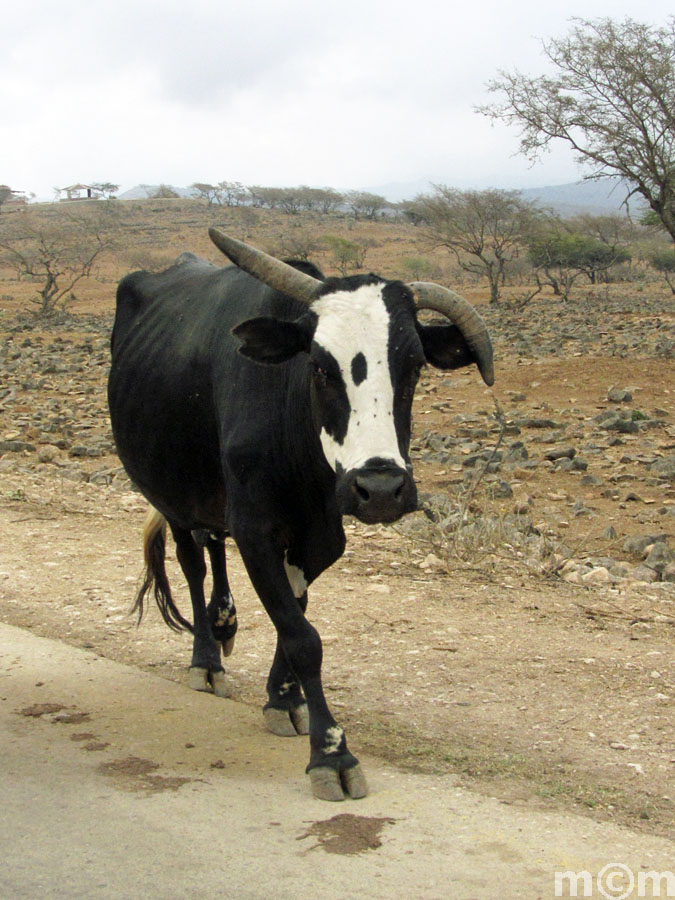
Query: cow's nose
point(380, 493)
point(379, 487)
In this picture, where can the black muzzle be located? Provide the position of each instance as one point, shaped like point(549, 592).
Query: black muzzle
point(380, 491)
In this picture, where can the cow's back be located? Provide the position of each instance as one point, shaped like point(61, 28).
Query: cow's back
point(167, 327)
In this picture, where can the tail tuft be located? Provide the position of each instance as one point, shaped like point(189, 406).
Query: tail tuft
point(154, 550)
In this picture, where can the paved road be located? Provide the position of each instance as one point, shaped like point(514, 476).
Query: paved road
point(119, 784)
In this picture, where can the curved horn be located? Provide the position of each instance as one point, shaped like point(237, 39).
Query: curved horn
point(462, 314)
point(271, 271)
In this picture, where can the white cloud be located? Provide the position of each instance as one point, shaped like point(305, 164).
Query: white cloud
point(349, 94)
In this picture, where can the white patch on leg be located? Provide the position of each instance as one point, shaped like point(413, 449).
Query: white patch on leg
point(333, 740)
point(352, 322)
point(225, 616)
point(296, 577)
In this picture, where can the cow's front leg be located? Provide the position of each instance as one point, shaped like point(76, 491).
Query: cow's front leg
point(332, 769)
point(286, 712)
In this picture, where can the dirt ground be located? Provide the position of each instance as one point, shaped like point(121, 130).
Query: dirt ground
point(440, 654)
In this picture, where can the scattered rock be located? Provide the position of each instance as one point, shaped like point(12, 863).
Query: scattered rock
point(664, 468)
point(563, 453)
point(502, 490)
point(600, 575)
point(617, 395)
point(616, 422)
point(660, 556)
point(637, 544)
point(15, 447)
point(644, 573)
point(49, 453)
point(431, 561)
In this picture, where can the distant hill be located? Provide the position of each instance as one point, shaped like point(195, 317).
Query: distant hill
point(602, 197)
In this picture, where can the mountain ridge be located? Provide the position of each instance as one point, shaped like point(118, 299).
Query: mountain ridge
point(600, 197)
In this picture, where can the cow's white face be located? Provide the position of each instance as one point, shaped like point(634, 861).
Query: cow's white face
point(365, 358)
point(351, 356)
point(364, 349)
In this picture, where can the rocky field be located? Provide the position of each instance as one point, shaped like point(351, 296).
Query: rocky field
point(518, 629)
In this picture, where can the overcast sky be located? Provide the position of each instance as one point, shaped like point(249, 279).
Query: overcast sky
point(348, 94)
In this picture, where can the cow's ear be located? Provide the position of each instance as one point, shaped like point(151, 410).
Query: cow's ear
point(270, 340)
point(444, 346)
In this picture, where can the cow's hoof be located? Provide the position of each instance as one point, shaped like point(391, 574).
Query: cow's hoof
point(227, 646)
point(204, 680)
point(217, 680)
point(287, 722)
point(300, 718)
point(330, 784)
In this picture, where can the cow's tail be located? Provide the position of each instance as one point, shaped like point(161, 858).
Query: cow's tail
point(154, 577)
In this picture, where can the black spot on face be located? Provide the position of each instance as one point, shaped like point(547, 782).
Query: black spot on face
point(359, 369)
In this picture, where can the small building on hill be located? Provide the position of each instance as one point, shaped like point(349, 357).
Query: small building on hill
point(79, 192)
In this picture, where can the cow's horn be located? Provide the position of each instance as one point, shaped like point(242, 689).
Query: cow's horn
point(271, 271)
point(462, 314)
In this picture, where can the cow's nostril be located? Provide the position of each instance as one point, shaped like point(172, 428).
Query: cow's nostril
point(362, 492)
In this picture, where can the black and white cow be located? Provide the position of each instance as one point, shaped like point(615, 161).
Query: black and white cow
point(264, 402)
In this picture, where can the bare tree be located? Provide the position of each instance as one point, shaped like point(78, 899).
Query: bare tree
point(326, 200)
point(55, 253)
point(208, 192)
point(364, 204)
point(233, 193)
point(411, 211)
point(483, 229)
point(290, 200)
point(612, 101)
point(262, 196)
point(106, 188)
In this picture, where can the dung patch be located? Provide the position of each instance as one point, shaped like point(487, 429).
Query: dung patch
point(136, 774)
point(37, 710)
point(347, 834)
point(54, 712)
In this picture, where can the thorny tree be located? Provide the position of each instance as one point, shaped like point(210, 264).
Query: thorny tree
point(612, 100)
point(483, 229)
point(55, 253)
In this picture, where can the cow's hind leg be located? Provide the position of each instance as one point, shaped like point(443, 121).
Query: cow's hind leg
point(221, 609)
point(285, 712)
point(206, 670)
